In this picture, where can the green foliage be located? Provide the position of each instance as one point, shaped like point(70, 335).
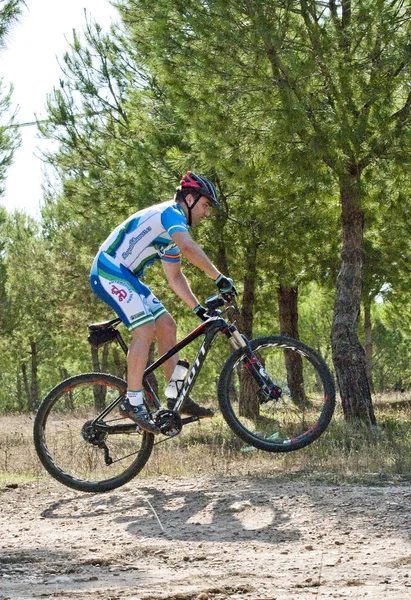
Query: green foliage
point(392, 347)
point(271, 100)
point(9, 136)
point(10, 10)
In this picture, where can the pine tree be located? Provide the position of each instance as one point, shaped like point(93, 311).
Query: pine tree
point(10, 10)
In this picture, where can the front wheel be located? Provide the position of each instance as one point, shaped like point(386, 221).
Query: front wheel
point(81, 438)
point(292, 416)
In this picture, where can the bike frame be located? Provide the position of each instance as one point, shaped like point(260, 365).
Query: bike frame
point(209, 329)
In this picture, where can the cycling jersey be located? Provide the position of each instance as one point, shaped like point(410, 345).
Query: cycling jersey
point(146, 237)
point(137, 243)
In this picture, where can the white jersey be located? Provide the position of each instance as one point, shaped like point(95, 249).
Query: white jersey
point(146, 237)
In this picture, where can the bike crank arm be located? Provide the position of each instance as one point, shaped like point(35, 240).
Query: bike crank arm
point(187, 420)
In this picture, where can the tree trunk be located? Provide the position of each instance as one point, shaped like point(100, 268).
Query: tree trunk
point(99, 391)
point(368, 342)
point(288, 312)
point(104, 359)
point(220, 257)
point(348, 354)
point(248, 403)
point(19, 388)
point(25, 383)
point(68, 396)
point(34, 390)
point(94, 359)
point(119, 364)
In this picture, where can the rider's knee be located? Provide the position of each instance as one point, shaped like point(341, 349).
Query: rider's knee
point(166, 325)
point(146, 332)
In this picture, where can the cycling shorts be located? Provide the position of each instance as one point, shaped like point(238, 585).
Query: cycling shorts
point(116, 285)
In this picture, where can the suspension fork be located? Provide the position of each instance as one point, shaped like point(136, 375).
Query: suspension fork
point(268, 390)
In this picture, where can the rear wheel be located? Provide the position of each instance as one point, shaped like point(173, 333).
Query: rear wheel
point(295, 419)
point(84, 444)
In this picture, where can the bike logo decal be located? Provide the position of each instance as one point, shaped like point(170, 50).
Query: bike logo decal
point(194, 367)
point(121, 293)
point(263, 372)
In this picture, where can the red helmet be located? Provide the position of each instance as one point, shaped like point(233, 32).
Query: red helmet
point(200, 184)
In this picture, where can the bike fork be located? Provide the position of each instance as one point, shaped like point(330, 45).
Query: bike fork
point(268, 389)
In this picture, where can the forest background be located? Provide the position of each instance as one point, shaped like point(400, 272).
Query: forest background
point(298, 110)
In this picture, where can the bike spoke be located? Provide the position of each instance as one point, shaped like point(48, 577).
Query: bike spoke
point(280, 398)
point(83, 444)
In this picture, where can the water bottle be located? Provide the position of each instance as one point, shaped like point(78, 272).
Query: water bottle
point(175, 385)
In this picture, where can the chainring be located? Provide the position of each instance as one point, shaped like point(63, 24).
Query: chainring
point(169, 422)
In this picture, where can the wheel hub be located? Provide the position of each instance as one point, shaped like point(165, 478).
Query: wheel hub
point(92, 435)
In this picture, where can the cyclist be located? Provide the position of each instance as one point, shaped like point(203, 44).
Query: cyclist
point(156, 233)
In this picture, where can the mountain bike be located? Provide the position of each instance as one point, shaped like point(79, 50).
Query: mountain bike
point(275, 393)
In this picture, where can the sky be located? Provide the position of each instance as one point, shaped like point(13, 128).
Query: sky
point(30, 63)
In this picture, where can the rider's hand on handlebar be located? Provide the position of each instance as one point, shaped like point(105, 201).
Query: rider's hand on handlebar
point(201, 312)
point(226, 287)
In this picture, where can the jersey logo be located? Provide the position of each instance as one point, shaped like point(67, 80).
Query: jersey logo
point(122, 294)
point(133, 241)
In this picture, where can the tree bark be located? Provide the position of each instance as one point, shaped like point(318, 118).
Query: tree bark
point(250, 282)
point(94, 359)
point(99, 391)
point(248, 402)
point(120, 367)
point(348, 354)
point(288, 313)
point(152, 379)
point(26, 383)
point(34, 390)
point(19, 388)
point(104, 359)
point(68, 396)
point(368, 346)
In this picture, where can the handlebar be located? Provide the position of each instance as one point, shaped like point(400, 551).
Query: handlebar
point(216, 301)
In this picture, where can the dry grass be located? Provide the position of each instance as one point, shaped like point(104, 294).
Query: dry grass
point(18, 458)
point(342, 454)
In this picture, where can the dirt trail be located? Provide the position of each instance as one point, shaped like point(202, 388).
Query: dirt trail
point(206, 539)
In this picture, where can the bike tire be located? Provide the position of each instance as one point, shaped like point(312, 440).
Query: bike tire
point(291, 422)
point(60, 443)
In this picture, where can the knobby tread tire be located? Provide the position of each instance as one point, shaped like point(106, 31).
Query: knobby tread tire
point(47, 460)
point(260, 443)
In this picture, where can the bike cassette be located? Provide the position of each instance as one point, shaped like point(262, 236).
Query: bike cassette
point(91, 434)
point(169, 422)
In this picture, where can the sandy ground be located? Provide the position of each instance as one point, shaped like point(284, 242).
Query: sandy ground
point(205, 539)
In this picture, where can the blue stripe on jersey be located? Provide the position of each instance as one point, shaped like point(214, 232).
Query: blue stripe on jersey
point(130, 225)
point(174, 218)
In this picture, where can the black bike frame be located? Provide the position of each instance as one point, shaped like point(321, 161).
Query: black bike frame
point(209, 329)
